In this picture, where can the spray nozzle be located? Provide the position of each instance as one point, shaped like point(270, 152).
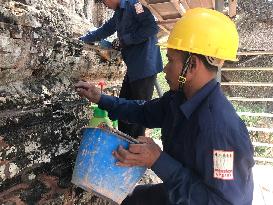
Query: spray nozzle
point(101, 84)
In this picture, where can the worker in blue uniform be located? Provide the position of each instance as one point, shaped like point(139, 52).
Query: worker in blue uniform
point(207, 155)
point(136, 30)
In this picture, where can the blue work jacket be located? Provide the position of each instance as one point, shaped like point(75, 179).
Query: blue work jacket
point(207, 154)
point(136, 29)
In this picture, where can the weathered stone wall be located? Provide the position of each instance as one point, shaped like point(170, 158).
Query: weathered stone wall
point(40, 114)
point(255, 24)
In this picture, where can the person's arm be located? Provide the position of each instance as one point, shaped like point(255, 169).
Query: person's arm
point(103, 32)
point(149, 114)
point(225, 167)
point(147, 26)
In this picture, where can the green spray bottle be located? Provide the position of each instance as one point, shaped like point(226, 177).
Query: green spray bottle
point(99, 116)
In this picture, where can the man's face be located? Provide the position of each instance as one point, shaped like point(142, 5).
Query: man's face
point(173, 68)
point(111, 4)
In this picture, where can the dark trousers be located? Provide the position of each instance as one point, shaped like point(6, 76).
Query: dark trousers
point(137, 90)
point(147, 195)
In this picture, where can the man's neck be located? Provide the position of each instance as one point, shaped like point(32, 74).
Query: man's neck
point(191, 89)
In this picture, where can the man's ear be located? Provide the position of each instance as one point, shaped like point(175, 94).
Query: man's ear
point(194, 62)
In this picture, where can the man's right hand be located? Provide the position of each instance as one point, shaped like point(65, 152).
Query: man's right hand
point(89, 91)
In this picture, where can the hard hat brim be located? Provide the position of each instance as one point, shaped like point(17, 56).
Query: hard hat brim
point(165, 45)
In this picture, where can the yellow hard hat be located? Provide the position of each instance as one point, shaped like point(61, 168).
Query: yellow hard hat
point(207, 32)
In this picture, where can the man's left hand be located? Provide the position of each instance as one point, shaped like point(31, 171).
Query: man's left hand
point(144, 154)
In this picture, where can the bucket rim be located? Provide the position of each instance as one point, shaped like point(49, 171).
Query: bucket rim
point(98, 128)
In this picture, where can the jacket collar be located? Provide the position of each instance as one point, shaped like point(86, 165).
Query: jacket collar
point(189, 106)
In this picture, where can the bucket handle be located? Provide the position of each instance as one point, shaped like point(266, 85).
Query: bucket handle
point(121, 134)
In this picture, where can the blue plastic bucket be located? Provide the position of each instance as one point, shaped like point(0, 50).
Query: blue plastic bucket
point(95, 169)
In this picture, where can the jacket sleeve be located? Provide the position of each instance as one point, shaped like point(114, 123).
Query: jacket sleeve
point(215, 182)
point(146, 29)
point(103, 32)
point(149, 114)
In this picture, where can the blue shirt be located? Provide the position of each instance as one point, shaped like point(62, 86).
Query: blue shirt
point(202, 137)
point(137, 33)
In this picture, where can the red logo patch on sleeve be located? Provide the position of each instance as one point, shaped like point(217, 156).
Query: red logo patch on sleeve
point(223, 164)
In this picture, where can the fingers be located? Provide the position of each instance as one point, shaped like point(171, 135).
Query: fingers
point(146, 140)
point(125, 158)
point(138, 155)
point(142, 139)
point(83, 85)
point(123, 154)
point(136, 148)
point(82, 92)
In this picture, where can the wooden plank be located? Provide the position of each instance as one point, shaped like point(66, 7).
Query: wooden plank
point(232, 4)
point(154, 12)
point(176, 4)
point(251, 114)
point(254, 53)
point(263, 159)
point(194, 3)
point(248, 69)
point(156, 1)
point(169, 26)
point(164, 29)
point(250, 99)
point(248, 84)
point(166, 10)
point(213, 3)
point(260, 129)
point(185, 5)
point(260, 144)
point(167, 21)
point(207, 4)
point(161, 34)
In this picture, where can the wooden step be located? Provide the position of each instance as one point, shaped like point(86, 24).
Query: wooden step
point(156, 1)
point(168, 12)
point(248, 84)
point(248, 92)
point(243, 99)
point(254, 53)
point(260, 144)
point(248, 75)
point(251, 114)
point(260, 129)
point(199, 3)
point(249, 69)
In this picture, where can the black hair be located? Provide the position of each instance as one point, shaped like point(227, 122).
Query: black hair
point(205, 62)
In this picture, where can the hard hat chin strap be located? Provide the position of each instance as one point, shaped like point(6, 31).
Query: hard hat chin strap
point(182, 77)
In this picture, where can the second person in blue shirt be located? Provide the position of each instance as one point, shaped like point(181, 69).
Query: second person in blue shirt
point(136, 30)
